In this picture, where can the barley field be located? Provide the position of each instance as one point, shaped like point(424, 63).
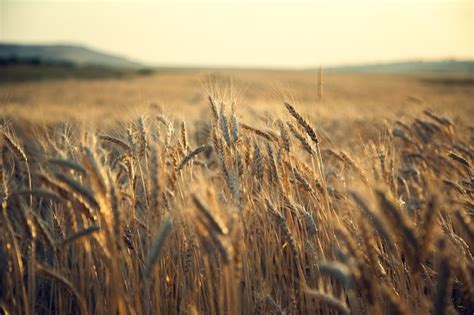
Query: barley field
point(237, 192)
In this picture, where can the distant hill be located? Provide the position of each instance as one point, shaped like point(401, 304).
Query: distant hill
point(412, 67)
point(61, 54)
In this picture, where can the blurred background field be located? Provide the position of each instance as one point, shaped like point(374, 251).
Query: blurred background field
point(183, 93)
point(347, 97)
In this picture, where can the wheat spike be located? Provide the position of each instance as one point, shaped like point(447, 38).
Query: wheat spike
point(158, 245)
point(80, 234)
point(309, 130)
point(191, 155)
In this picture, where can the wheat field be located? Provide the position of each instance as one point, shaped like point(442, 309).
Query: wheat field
point(184, 193)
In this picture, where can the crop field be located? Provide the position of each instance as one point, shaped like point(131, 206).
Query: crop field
point(238, 192)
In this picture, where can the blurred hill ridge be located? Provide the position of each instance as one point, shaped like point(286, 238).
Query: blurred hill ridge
point(78, 55)
point(61, 54)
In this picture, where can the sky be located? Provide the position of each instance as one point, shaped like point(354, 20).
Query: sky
point(265, 33)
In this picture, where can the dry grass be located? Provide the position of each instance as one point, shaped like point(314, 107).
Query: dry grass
point(230, 213)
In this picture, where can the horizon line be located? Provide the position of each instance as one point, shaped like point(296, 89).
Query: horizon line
point(328, 66)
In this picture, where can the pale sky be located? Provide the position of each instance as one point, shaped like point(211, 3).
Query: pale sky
point(284, 33)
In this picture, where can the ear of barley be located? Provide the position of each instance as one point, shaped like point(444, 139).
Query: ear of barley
point(154, 177)
point(303, 182)
point(94, 171)
point(442, 120)
point(163, 120)
point(235, 129)
point(158, 245)
point(191, 155)
point(118, 159)
point(274, 171)
point(374, 219)
point(43, 230)
point(459, 159)
point(285, 140)
point(169, 127)
point(329, 300)
point(309, 130)
point(80, 234)
point(310, 222)
point(466, 222)
point(286, 232)
point(233, 183)
point(116, 141)
point(342, 234)
point(258, 163)
point(353, 165)
point(15, 148)
point(77, 188)
point(69, 165)
point(223, 245)
point(212, 220)
point(188, 255)
point(429, 220)
point(454, 186)
point(464, 150)
point(20, 154)
point(66, 196)
point(53, 185)
point(240, 164)
point(131, 141)
point(117, 215)
point(27, 222)
point(184, 137)
point(256, 131)
point(399, 220)
point(217, 144)
point(334, 154)
point(224, 127)
point(272, 134)
point(214, 110)
point(142, 134)
point(300, 138)
point(338, 270)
